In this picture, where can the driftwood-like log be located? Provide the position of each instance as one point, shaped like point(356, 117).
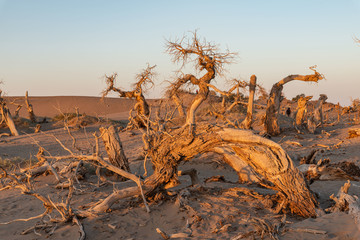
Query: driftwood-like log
point(271, 124)
point(246, 124)
point(30, 108)
point(114, 149)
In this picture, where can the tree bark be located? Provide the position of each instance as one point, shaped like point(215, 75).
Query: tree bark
point(114, 148)
point(246, 124)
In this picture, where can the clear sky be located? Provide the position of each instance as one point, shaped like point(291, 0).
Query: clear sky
point(65, 47)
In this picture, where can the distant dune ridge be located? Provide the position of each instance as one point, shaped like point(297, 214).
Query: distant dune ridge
point(114, 108)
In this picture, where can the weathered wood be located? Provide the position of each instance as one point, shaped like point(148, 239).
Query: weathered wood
point(301, 110)
point(246, 124)
point(114, 149)
point(271, 124)
point(316, 119)
point(346, 203)
point(254, 158)
point(6, 116)
point(30, 108)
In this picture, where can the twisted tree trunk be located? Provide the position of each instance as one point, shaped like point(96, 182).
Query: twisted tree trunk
point(254, 158)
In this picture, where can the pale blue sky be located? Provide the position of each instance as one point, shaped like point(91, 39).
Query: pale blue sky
point(64, 47)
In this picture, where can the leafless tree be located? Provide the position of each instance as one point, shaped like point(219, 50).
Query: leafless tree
point(144, 81)
point(271, 124)
point(205, 56)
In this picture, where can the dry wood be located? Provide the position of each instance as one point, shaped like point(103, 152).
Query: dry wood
point(354, 132)
point(246, 124)
point(114, 149)
point(17, 110)
point(208, 58)
point(6, 116)
point(316, 119)
point(253, 157)
point(30, 108)
point(346, 203)
point(301, 111)
point(271, 124)
point(141, 106)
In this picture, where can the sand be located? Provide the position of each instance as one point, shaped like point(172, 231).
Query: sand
point(216, 211)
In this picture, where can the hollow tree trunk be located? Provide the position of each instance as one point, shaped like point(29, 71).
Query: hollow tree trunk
point(253, 157)
point(250, 108)
point(114, 148)
point(30, 108)
point(271, 124)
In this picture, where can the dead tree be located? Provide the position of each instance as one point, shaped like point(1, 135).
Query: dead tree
point(246, 124)
point(30, 108)
point(301, 111)
point(141, 107)
point(6, 117)
point(207, 57)
point(316, 119)
point(17, 110)
point(271, 124)
point(114, 149)
point(254, 158)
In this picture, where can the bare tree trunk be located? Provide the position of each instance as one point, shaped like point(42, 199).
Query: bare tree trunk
point(250, 108)
point(318, 111)
point(316, 119)
point(8, 120)
point(114, 148)
point(6, 116)
point(30, 108)
point(271, 124)
point(301, 110)
point(179, 106)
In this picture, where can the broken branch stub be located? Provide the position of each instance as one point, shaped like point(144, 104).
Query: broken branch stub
point(30, 108)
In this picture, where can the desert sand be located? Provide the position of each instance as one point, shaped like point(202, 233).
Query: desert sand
point(213, 209)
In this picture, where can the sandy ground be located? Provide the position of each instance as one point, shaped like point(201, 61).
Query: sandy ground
point(217, 210)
